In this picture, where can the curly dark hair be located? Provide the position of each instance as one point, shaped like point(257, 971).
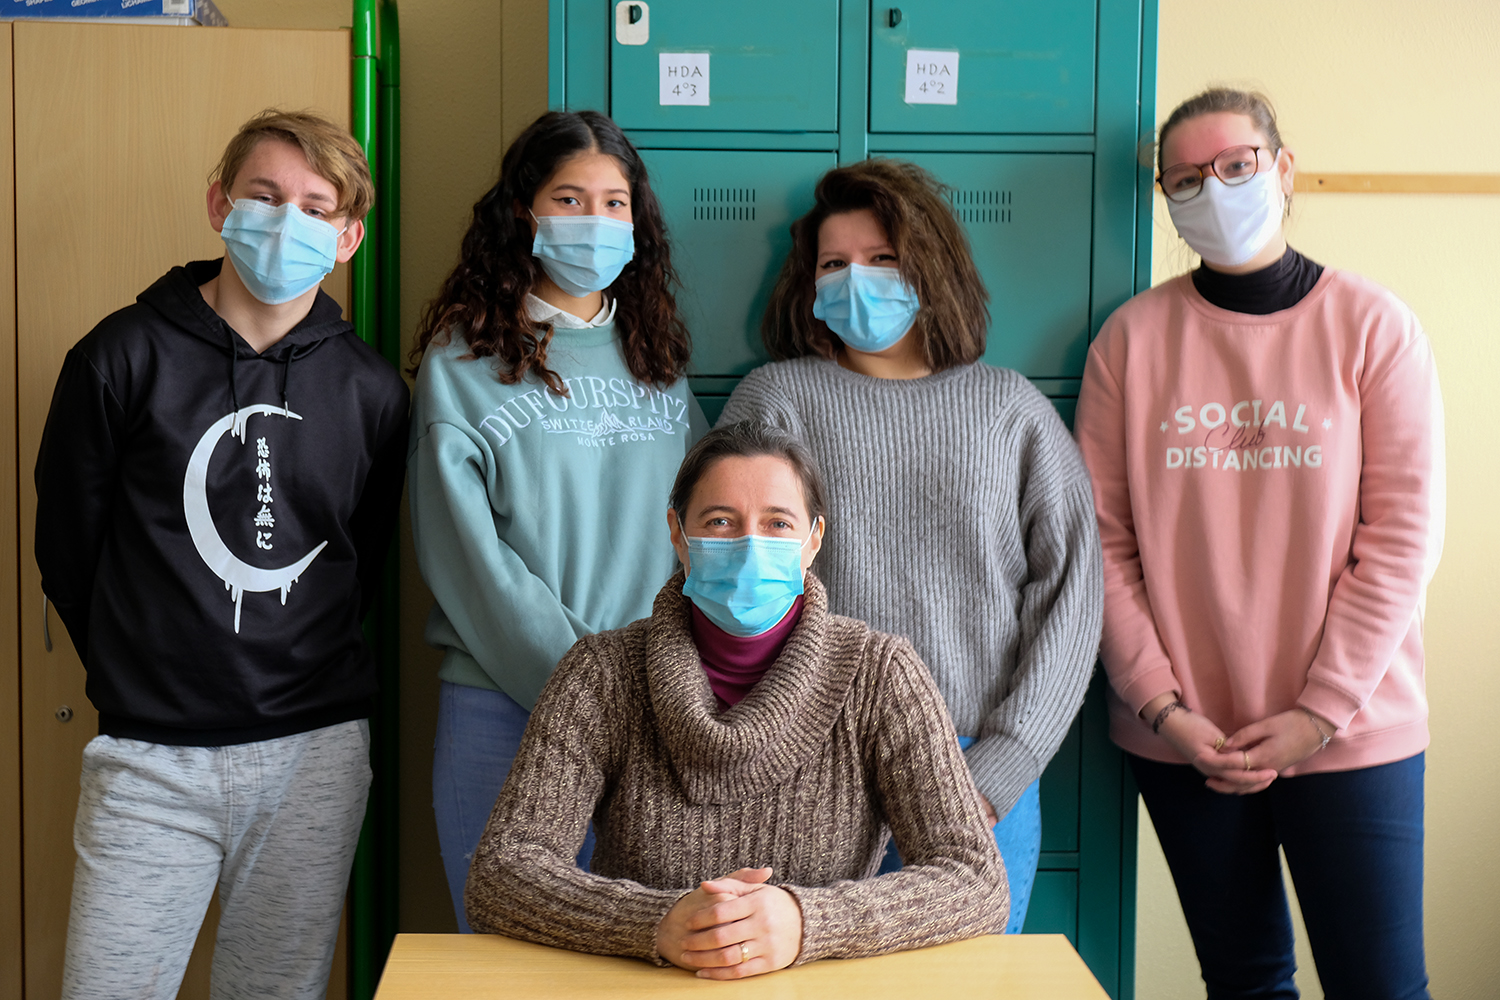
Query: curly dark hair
point(485, 295)
point(932, 254)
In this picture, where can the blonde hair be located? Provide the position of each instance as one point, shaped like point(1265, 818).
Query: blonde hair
point(332, 153)
point(1252, 104)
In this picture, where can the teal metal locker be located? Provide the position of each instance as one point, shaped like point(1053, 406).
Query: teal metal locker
point(1031, 114)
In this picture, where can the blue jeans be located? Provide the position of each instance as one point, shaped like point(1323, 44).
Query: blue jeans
point(1019, 837)
point(1353, 843)
point(478, 734)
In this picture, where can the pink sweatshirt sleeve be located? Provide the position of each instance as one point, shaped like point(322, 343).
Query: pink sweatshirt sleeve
point(1134, 657)
point(1399, 533)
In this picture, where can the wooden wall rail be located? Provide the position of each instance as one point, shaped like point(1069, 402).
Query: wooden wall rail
point(1399, 183)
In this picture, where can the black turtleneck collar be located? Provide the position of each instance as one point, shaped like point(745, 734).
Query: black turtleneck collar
point(1271, 289)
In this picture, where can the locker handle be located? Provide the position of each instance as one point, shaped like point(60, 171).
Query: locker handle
point(635, 13)
point(46, 633)
point(895, 16)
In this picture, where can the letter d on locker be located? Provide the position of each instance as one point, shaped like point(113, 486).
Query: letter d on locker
point(632, 22)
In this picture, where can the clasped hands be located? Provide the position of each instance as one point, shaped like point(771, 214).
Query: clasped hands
point(732, 927)
point(1269, 746)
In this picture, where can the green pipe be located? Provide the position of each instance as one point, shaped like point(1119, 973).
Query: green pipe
point(375, 111)
point(388, 751)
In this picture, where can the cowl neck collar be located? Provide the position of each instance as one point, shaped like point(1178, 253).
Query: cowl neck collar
point(783, 722)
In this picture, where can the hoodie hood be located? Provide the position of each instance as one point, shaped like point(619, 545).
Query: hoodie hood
point(176, 298)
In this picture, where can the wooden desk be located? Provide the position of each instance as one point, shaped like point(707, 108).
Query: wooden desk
point(463, 966)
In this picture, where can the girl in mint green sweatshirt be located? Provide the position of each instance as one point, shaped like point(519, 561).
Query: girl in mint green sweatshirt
point(550, 417)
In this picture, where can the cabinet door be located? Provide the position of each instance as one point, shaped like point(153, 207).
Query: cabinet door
point(727, 215)
point(1028, 218)
point(767, 66)
point(1021, 66)
point(116, 129)
point(10, 554)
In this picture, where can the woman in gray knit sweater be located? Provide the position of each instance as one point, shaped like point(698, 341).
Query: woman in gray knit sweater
point(744, 756)
point(966, 520)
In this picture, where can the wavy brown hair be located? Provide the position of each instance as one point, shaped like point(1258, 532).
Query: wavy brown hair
point(932, 254)
point(485, 295)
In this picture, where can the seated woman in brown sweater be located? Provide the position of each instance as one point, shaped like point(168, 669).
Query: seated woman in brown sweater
point(743, 755)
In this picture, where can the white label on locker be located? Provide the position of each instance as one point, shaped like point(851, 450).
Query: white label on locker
point(684, 78)
point(931, 77)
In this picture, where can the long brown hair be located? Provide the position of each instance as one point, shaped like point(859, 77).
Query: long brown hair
point(932, 254)
point(484, 297)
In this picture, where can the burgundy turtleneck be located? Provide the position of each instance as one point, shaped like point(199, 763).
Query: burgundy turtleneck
point(736, 664)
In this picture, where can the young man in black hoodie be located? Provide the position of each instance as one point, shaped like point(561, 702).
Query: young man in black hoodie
point(217, 483)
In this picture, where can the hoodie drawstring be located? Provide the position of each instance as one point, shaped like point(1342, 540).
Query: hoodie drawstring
point(234, 395)
point(286, 379)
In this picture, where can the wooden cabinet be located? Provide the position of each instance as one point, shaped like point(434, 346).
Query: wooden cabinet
point(115, 130)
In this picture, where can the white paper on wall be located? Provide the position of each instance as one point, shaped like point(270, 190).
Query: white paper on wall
point(684, 77)
point(931, 77)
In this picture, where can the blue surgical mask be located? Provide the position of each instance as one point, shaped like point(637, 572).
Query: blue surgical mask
point(583, 253)
point(278, 252)
point(745, 585)
point(870, 308)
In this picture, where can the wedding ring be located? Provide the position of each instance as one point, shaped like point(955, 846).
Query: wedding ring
point(1219, 743)
point(1247, 760)
point(744, 952)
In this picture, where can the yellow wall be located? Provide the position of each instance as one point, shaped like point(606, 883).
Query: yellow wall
point(1386, 86)
point(1370, 86)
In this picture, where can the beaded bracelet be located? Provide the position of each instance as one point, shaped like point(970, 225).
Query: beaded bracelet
point(1314, 720)
point(1166, 710)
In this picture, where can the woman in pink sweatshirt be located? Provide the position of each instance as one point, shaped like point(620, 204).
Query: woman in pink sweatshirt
point(1265, 440)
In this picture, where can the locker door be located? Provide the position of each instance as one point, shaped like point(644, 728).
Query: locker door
point(766, 66)
point(112, 156)
point(727, 216)
point(1022, 66)
point(1029, 218)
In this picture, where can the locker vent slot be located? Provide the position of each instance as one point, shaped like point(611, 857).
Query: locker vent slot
point(980, 206)
point(716, 204)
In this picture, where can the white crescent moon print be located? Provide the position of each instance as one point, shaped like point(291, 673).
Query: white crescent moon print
point(238, 575)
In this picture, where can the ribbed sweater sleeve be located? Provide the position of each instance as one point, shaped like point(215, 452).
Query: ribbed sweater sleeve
point(525, 881)
point(953, 885)
point(1060, 616)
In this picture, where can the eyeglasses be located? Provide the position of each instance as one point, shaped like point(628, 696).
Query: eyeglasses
point(1235, 165)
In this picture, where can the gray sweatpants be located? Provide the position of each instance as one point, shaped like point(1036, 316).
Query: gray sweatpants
point(273, 824)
